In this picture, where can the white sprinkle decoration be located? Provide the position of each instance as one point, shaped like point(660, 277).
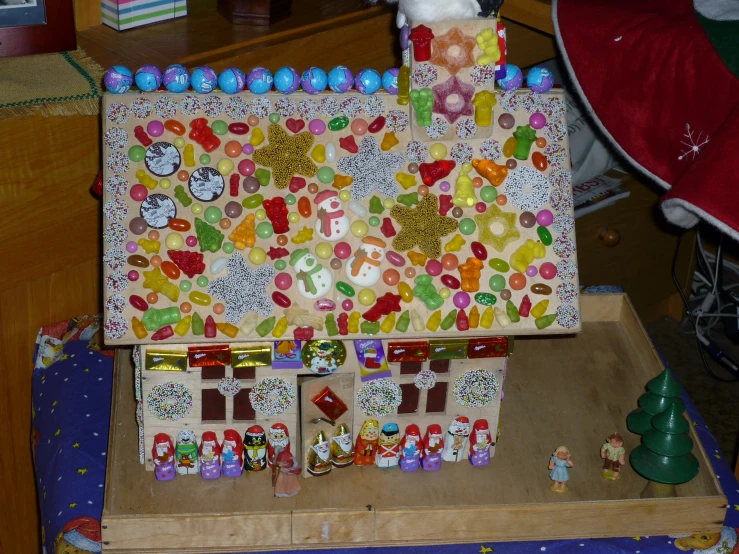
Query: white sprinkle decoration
point(476, 388)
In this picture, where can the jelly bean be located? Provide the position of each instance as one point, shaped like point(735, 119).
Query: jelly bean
point(544, 235)
point(479, 251)
point(539, 308)
point(138, 302)
point(280, 299)
point(304, 207)
point(485, 298)
point(499, 265)
point(138, 260)
point(200, 298)
point(218, 265)
point(545, 321)
point(395, 258)
point(502, 317)
point(345, 289)
point(450, 281)
point(318, 153)
point(405, 291)
point(251, 202)
point(541, 288)
point(181, 225)
point(377, 125)
point(324, 305)
point(357, 208)
point(338, 123)
point(257, 137)
point(238, 128)
point(170, 270)
point(539, 161)
point(509, 147)
point(175, 127)
point(330, 152)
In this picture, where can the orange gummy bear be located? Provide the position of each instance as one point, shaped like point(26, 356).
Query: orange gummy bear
point(470, 273)
point(493, 172)
point(417, 258)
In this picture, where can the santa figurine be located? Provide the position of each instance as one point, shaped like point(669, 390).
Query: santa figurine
point(319, 455)
point(411, 449)
point(332, 224)
point(480, 443)
point(210, 456)
point(314, 280)
point(456, 440)
point(363, 269)
point(278, 438)
point(433, 445)
point(232, 454)
point(285, 474)
point(366, 447)
point(187, 453)
point(342, 446)
point(388, 447)
point(162, 454)
point(255, 447)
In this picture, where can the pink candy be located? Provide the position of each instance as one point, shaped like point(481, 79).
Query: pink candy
point(342, 250)
point(395, 258)
point(461, 300)
point(139, 193)
point(548, 270)
point(283, 281)
point(434, 268)
point(544, 218)
point(246, 167)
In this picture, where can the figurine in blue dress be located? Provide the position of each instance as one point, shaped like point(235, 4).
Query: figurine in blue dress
point(559, 469)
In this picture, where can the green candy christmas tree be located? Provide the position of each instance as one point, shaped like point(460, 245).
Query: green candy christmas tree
point(662, 392)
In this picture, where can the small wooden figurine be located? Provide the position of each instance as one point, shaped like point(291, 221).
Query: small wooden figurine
point(388, 446)
point(285, 474)
point(559, 471)
point(255, 447)
point(411, 449)
point(433, 445)
point(480, 443)
point(614, 456)
point(278, 438)
point(232, 454)
point(210, 456)
point(186, 453)
point(162, 453)
point(366, 448)
point(319, 455)
point(456, 440)
point(342, 446)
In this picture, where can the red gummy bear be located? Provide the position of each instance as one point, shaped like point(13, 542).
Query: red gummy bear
point(525, 307)
point(387, 303)
point(297, 183)
point(430, 173)
point(275, 253)
point(277, 213)
point(233, 184)
point(210, 327)
point(141, 135)
point(163, 333)
point(421, 37)
point(203, 135)
point(445, 203)
point(190, 263)
point(349, 144)
point(343, 323)
point(463, 322)
point(303, 333)
point(387, 228)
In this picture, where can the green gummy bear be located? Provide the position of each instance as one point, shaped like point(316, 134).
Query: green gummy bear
point(408, 199)
point(512, 312)
point(370, 327)
point(331, 328)
point(156, 318)
point(266, 326)
point(181, 196)
point(426, 292)
point(209, 237)
point(525, 137)
point(423, 102)
point(262, 175)
point(375, 205)
point(545, 321)
point(403, 321)
point(449, 321)
point(198, 325)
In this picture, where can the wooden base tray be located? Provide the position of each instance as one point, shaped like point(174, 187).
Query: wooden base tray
point(571, 390)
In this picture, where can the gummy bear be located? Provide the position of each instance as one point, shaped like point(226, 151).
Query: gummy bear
point(384, 305)
point(417, 258)
point(433, 172)
point(487, 41)
point(426, 292)
point(354, 322)
point(423, 103)
point(141, 136)
point(387, 228)
point(150, 246)
point(276, 253)
point(181, 196)
point(343, 323)
point(464, 189)
point(470, 273)
point(456, 244)
point(190, 263)
point(445, 204)
point(277, 213)
point(304, 235)
point(370, 327)
point(521, 259)
point(331, 328)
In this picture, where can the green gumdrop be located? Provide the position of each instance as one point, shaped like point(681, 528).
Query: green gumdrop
point(544, 235)
point(326, 175)
point(204, 159)
point(545, 321)
point(409, 199)
point(280, 265)
point(228, 247)
point(212, 214)
point(219, 127)
point(449, 320)
point(497, 283)
point(486, 299)
point(467, 226)
point(274, 118)
point(290, 199)
point(499, 265)
point(374, 221)
point(345, 288)
point(403, 321)
point(202, 281)
point(136, 153)
point(375, 205)
point(181, 196)
point(338, 123)
point(512, 312)
point(488, 194)
point(331, 328)
point(253, 201)
point(262, 175)
point(198, 325)
point(266, 326)
point(185, 285)
point(370, 327)
point(265, 230)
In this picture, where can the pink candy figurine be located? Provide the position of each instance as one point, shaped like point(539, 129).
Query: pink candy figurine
point(162, 454)
point(232, 454)
point(480, 443)
point(210, 456)
point(285, 475)
point(411, 449)
point(433, 444)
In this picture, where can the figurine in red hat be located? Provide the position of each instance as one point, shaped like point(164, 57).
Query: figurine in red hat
point(456, 440)
point(332, 224)
point(285, 475)
point(162, 454)
point(81, 534)
point(433, 445)
point(210, 456)
point(232, 454)
point(480, 443)
point(411, 449)
point(278, 438)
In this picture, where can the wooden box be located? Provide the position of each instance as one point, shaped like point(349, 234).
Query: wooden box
point(572, 390)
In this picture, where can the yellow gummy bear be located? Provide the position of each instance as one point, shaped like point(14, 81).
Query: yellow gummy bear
point(417, 258)
point(406, 181)
point(456, 244)
point(150, 246)
point(539, 309)
point(157, 282)
point(342, 181)
point(487, 40)
point(388, 323)
point(257, 137)
point(388, 141)
point(404, 85)
point(434, 321)
point(417, 321)
point(353, 322)
point(486, 321)
point(318, 154)
point(304, 235)
point(484, 102)
point(228, 329)
point(250, 323)
point(183, 326)
point(464, 189)
point(280, 328)
point(502, 317)
point(521, 259)
point(146, 180)
point(474, 317)
point(188, 155)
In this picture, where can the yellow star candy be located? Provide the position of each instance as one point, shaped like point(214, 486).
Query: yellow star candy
point(492, 216)
point(286, 155)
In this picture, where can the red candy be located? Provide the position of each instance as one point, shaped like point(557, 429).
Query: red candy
point(303, 333)
point(463, 322)
point(175, 126)
point(295, 125)
point(141, 135)
point(387, 228)
point(349, 144)
point(479, 251)
point(377, 125)
point(163, 333)
point(421, 37)
point(210, 327)
point(275, 253)
point(430, 173)
point(297, 183)
point(238, 128)
point(203, 135)
point(280, 299)
point(190, 263)
point(233, 184)
point(445, 203)
point(387, 303)
point(138, 303)
point(277, 213)
point(170, 270)
point(343, 322)
point(180, 225)
point(450, 281)
point(525, 308)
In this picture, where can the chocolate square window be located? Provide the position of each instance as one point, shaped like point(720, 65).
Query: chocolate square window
point(243, 410)
point(410, 368)
point(213, 406)
point(213, 372)
point(439, 366)
point(436, 398)
point(409, 405)
point(245, 373)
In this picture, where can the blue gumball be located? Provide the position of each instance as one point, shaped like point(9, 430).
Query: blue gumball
point(118, 79)
point(232, 80)
point(513, 78)
point(148, 78)
point(340, 79)
point(390, 80)
point(539, 79)
point(259, 80)
point(286, 80)
point(176, 78)
point(314, 80)
point(204, 79)
point(368, 81)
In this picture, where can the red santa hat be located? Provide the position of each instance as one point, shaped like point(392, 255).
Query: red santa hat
point(83, 533)
point(660, 80)
point(324, 195)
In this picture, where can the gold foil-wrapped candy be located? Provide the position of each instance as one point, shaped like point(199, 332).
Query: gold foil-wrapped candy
point(165, 360)
point(342, 446)
point(319, 455)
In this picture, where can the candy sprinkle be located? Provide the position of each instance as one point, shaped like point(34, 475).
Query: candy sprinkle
point(190, 104)
point(490, 149)
point(425, 379)
point(374, 106)
point(212, 106)
point(527, 189)
point(307, 109)
point(229, 386)
point(285, 106)
point(476, 388)
point(115, 327)
point(272, 396)
point(169, 401)
point(568, 316)
point(236, 108)
point(117, 113)
point(165, 107)
point(329, 106)
point(379, 397)
point(397, 120)
point(141, 107)
point(462, 153)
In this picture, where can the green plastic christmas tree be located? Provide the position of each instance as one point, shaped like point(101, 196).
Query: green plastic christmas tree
point(662, 392)
point(664, 457)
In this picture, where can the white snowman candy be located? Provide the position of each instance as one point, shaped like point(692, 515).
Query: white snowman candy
point(363, 269)
point(314, 280)
point(332, 224)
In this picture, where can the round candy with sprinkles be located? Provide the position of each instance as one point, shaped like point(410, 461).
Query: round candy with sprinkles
point(425, 75)
point(162, 159)
point(212, 106)
point(564, 247)
point(526, 188)
point(568, 316)
point(556, 131)
point(466, 128)
point(116, 138)
point(115, 327)
point(169, 401)
point(307, 109)
point(416, 151)
point(567, 292)
point(397, 121)
point(509, 100)
point(329, 106)
point(114, 258)
point(157, 210)
point(462, 152)
point(532, 102)
point(272, 396)
point(438, 128)
point(566, 270)
point(260, 107)
point(379, 397)
point(554, 108)
point(115, 210)
point(561, 200)
point(351, 106)
point(165, 106)
point(490, 149)
point(560, 179)
point(285, 106)
point(141, 107)
point(206, 184)
point(374, 106)
point(425, 379)
point(115, 234)
point(115, 303)
point(117, 162)
point(476, 388)
point(117, 113)
point(229, 386)
point(237, 108)
point(190, 104)
point(564, 224)
point(556, 155)
point(116, 282)
point(116, 185)
point(482, 75)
